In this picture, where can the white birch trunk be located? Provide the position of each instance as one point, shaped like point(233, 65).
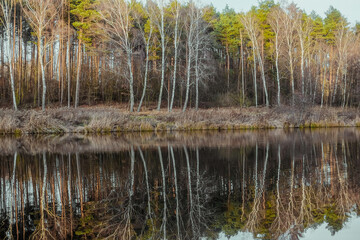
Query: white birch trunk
point(242, 68)
point(11, 70)
point(176, 44)
point(302, 49)
point(7, 9)
point(147, 41)
point(291, 74)
point(277, 69)
point(188, 69)
point(162, 35)
point(261, 64)
point(197, 77)
point(41, 48)
point(131, 79)
point(323, 86)
point(255, 83)
point(78, 73)
point(68, 72)
point(345, 86)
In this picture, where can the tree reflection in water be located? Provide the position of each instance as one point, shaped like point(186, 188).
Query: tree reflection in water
point(275, 185)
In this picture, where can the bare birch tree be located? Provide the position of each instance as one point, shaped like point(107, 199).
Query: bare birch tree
point(40, 15)
point(157, 16)
point(342, 42)
point(146, 32)
point(118, 24)
point(242, 66)
point(251, 26)
point(68, 72)
point(275, 23)
point(177, 34)
point(200, 39)
point(303, 31)
point(290, 22)
point(78, 70)
point(190, 28)
point(7, 7)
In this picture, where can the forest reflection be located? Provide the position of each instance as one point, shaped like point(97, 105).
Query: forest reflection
point(276, 184)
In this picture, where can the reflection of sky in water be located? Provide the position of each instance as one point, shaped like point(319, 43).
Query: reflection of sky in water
point(351, 231)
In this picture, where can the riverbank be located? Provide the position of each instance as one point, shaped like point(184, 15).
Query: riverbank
point(115, 142)
point(102, 120)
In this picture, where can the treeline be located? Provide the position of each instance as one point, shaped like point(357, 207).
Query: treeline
point(175, 54)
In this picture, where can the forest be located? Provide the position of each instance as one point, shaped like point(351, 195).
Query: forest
point(167, 55)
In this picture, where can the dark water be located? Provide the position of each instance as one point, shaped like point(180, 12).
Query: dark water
point(237, 185)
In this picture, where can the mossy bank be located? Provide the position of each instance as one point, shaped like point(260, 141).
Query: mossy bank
point(104, 120)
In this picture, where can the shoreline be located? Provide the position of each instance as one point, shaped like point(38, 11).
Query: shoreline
point(115, 142)
point(105, 120)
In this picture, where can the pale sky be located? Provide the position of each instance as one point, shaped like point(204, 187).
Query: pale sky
point(349, 8)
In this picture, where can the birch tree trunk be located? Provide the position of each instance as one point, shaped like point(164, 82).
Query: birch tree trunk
point(336, 80)
point(147, 46)
point(41, 59)
point(323, 84)
point(277, 69)
point(7, 9)
point(176, 45)
point(197, 77)
point(162, 35)
point(131, 79)
point(190, 32)
point(242, 68)
point(255, 83)
point(292, 75)
point(68, 61)
point(40, 14)
point(302, 49)
point(11, 72)
point(345, 84)
point(261, 64)
point(251, 27)
point(290, 21)
point(188, 75)
point(117, 16)
point(78, 73)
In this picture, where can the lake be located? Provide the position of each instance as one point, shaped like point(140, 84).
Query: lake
point(274, 184)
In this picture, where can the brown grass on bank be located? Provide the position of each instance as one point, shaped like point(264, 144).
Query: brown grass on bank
point(103, 119)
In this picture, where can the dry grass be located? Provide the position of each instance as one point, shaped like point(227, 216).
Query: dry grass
point(9, 121)
point(109, 119)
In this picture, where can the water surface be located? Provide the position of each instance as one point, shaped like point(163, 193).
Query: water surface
point(239, 185)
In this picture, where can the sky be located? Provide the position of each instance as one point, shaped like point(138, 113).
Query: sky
point(349, 8)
